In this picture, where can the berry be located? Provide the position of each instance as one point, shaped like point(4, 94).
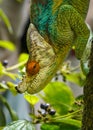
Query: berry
point(56, 78)
point(47, 106)
point(42, 106)
point(5, 63)
point(52, 112)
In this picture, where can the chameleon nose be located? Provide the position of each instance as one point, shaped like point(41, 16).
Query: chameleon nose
point(32, 67)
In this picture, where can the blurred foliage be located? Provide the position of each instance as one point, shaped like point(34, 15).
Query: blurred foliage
point(0, 1)
point(19, 125)
point(7, 45)
point(5, 19)
point(32, 99)
point(59, 95)
point(64, 111)
point(19, 0)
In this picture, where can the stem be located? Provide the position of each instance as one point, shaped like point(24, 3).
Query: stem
point(76, 68)
point(11, 111)
point(16, 66)
point(11, 75)
point(68, 115)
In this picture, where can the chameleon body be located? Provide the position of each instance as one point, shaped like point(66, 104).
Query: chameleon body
point(56, 25)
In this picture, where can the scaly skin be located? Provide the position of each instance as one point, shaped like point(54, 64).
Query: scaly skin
point(59, 24)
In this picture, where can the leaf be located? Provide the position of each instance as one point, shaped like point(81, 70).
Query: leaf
point(68, 127)
point(7, 45)
point(2, 118)
point(77, 78)
point(59, 95)
point(3, 87)
point(32, 99)
point(72, 122)
point(59, 126)
point(1, 69)
point(20, 125)
point(11, 75)
point(11, 87)
point(23, 57)
point(6, 21)
point(49, 127)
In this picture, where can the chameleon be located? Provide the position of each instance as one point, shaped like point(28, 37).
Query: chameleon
point(56, 25)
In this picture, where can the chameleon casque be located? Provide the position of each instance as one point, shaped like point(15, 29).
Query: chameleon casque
point(56, 25)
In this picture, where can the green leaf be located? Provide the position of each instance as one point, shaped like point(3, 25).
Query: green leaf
point(59, 95)
point(6, 21)
point(59, 126)
point(7, 45)
point(11, 75)
point(20, 125)
point(2, 118)
point(77, 78)
point(23, 57)
point(3, 87)
point(1, 69)
point(11, 87)
point(32, 99)
point(68, 127)
point(49, 127)
point(69, 121)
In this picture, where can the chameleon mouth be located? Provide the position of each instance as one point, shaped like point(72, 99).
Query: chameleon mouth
point(18, 90)
point(34, 83)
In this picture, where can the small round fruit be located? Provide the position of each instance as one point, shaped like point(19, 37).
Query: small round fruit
point(52, 112)
point(47, 106)
point(5, 63)
point(42, 106)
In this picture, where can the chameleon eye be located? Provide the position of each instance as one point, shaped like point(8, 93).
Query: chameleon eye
point(32, 67)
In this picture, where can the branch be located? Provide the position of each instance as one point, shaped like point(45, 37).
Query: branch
point(87, 121)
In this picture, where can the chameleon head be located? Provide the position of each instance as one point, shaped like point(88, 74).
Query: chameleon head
point(42, 63)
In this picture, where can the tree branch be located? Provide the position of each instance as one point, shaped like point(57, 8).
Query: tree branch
point(87, 121)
